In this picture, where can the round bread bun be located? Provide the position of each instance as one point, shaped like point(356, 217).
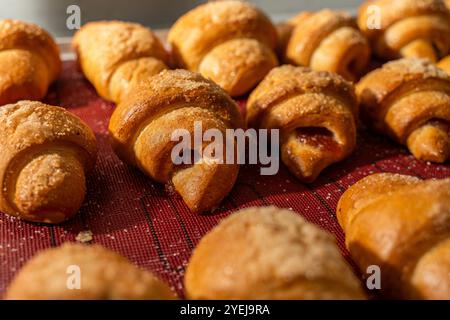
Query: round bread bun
point(104, 275)
point(269, 253)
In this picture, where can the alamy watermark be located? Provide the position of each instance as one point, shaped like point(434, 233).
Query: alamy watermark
point(73, 281)
point(374, 16)
point(230, 148)
point(73, 21)
point(373, 282)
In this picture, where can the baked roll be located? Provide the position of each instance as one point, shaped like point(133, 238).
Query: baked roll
point(444, 64)
point(115, 56)
point(29, 61)
point(402, 225)
point(229, 42)
point(103, 275)
point(406, 28)
point(46, 153)
point(269, 254)
point(326, 41)
point(316, 113)
point(409, 100)
point(142, 126)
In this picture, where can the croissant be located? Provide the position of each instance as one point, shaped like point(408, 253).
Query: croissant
point(142, 125)
point(45, 154)
point(444, 64)
point(115, 56)
point(29, 61)
point(401, 224)
point(104, 275)
point(326, 41)
point(406, 28)
point(229, 42)
point(316, 113)
point(268, 254)
point(409, 100)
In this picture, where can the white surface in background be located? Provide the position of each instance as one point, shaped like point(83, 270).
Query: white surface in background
point(158, 14)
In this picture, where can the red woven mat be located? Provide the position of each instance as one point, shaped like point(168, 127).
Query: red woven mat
point(134, 216)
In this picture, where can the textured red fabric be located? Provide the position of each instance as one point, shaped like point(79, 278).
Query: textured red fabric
point(134, 216)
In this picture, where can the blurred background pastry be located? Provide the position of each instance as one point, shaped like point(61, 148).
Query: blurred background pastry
point(29, 61)
point(269, 253)
point(102, 275)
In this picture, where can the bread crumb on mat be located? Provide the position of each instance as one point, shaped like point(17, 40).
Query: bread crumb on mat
point(84, 236)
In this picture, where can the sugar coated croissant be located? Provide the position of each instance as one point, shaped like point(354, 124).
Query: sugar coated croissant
point(143, 124)
point(115, 56)
point(406, 28)
point(45, 154)
point(229, 42)
point(267, 254)
point(402, 225)
point(82, 272)
point(29, 61)
point(316, 113)
point(326, 41)
point(409, 100)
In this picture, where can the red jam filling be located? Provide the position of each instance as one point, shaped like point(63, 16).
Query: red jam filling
point(318, 137)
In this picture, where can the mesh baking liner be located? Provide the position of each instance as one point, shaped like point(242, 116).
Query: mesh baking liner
point(136, 217)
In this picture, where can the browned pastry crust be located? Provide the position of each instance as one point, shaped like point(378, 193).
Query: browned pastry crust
point(316, 113)
point(29, 61)
point(45, 152)
point(402, 225)
point(115, 56)
point(230, 42)
point(409, 100)
point(104, 275)
point(142, 125)
point(408, 28)
point(269, 253)
point(444, 64)
point(326, 41)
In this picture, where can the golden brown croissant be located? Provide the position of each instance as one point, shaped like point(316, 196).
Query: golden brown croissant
point(142, 125)
point(229, 42)
point(406, 28)
point(315, 112)
point(103, 275)
point(115, 56)
point(326, 41)
point(269, 253)
point(409, 100)
point(402, 225)
point(29, 61)
point(444, 64)
point(45, 152)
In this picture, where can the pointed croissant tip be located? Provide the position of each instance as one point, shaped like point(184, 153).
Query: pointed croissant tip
point(203, 186)
point(430, 142)
point(307, 162)
point(420, 49)
point(305, 169)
